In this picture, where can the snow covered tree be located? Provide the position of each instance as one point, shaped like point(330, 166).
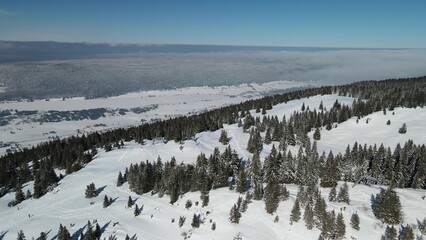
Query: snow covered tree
point(330, 174)
point(387, 207)
point(390, 233)
point(234, 215)
point(355, 221)
point(295, 212)
point(19, 194)
point(42, 236)
point(332, 195)
point(343, 195)
point(196, 221)
point(340, 227)
point(21, 235)
point(406, 233)
point(308, 216)
point(181, 221)
point(188, 204)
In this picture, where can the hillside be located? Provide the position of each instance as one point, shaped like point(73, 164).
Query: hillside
point(66, 203)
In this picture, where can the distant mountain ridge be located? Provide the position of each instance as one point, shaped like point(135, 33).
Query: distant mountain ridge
point(16, 51)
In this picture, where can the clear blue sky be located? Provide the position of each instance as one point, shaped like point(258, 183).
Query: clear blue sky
point(338, 23)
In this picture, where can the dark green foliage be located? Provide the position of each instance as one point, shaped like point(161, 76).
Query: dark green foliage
point(98, 231)
point(73, 153)
point(130, 202)
point(19, 194)
point(120, 179)
point(355, 221)
point(181, 221)
point(387, 207)
point(21, 235)
point(328, 225)
point(406, 233)
point(42, 236)
point(332, 195)
point(422, 226)
point(188, 204)
point(388, 122)
point(244, 205)
point(308, 217)
point(214, 226)
point(330, 174)
point(204, 199)
point(90, 234)
point(91, 191)
point(106, 202)
point(127, 237)
point(317, 134)
point(63, 233)
point(403, 129)
point(295, 212)
point(223, 137)
point(343, 195)
point(340, 227)
point(234, 215)
point(137, 211)
point(390, 233)
point(196, 221)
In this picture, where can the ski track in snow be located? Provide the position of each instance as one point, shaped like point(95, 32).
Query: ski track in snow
point(67, 204)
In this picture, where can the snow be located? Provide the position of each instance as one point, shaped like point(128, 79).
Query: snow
point(67, 204)
point(24, 132)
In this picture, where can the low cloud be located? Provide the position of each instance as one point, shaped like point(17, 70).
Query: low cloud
point(6, 13)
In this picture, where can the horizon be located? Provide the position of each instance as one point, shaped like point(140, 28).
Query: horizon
point(334, 24)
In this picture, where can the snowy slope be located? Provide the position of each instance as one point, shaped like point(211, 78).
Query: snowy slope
point(25, 132)
point(66, 204)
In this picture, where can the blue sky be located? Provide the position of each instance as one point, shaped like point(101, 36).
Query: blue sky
point(320, 23)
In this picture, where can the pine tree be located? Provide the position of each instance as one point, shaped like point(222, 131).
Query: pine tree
point(343, 195)
point(91, 191)
point(308, 217)
point(317, 134)
point(90, 234)
point(43, 236)
point(295, 212)
point(388, 122)
point(195, 221)
point(181, 221)
point(406, 233)
point(98, 231)
point(137, 210)
point(241, 185)
point(19, 194)
point(244, 205)
point(390, 233)
point(355, 221)
point(403, 129)
point(234, 215)
point(188, 204)
point(214, 226)
point(332, 195)
point(106, 202)
point(120, 179)
point(21, 235)
point(387, 207)
point(63, 233)
point(130, 202)
point(340, 227)
point(127, 237)
point(223, 137)
point(28, 195)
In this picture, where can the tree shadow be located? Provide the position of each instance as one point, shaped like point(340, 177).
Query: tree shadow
point(113, 200)
point(104, 227)
point(101, 189)
point(134, 237)
point(2, 235)
point(77, 233)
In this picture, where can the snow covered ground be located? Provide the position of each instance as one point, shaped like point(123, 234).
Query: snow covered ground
point(25, 132)
point(66, 204)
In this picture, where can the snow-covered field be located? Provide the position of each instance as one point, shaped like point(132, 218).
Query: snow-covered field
point(67, 204)
point(25, 132)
